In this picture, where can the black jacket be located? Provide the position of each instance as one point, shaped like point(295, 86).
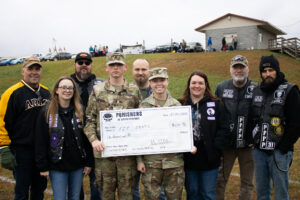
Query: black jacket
point(291, 113)
point(24, 104)
point(213, 128)
point(63, 147)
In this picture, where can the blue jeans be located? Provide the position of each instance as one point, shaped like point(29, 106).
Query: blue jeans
point(136, 191)
point(201, 184)
point(95, 192)
point(60, 181)
point(27, 175)
point(272, 166)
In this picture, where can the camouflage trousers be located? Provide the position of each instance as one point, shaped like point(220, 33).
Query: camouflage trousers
point(113, 173)
point(172, 178)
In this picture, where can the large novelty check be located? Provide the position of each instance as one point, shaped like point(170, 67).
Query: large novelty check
point(146, 131)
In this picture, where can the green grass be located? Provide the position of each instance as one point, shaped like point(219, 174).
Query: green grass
point(180, 66)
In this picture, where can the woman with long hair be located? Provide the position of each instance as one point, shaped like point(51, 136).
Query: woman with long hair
point(62, 150)
point(209, 128)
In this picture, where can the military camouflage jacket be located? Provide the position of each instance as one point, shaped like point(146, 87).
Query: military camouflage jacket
point(163, 161)
point(107, 97)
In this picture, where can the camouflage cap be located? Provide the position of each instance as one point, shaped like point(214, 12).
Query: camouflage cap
point(31, 61)
point(239, 60)
point(115, 58)
point(158, 72)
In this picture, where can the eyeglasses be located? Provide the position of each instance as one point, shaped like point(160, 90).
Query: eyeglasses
point(85, 62)
point(65, 88)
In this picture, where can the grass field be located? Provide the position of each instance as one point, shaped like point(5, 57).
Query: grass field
point(180, 66)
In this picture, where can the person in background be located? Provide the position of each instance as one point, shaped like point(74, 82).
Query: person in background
point(113, 173)
point(62, 151)
point(20, 105)
point(85, 80)
point(236, 94)
point(209, 44)
point(209, 130)
point(161, 169)
point(140, 72)
point(275, 123)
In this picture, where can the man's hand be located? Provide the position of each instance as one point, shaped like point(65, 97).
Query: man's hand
point(98, 145)
point(194, 150)
point(86, 170)
point(141, 167)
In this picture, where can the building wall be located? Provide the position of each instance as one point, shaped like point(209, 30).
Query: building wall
point(248, 37)
point(230, 22)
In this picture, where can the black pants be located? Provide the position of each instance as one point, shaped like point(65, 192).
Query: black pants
point(27, 176)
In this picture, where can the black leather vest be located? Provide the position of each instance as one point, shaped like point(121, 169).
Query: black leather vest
point(57, 137)
point(269, 117)
point(237, 103)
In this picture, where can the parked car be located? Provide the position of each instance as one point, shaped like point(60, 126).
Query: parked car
point(16, 61)
point(149, 50)
point(62, 56)
point(5, 62)
point(193, 47)
point(167, 47)
point(47, 57)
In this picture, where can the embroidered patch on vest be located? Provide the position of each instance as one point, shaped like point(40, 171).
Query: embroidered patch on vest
point(258, 99)
point(249, 92)
point(228, 93)
point(211, 113)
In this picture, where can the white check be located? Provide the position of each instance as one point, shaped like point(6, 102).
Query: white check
point(146, 131)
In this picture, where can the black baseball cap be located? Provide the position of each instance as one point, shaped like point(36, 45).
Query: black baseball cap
point(83, 56)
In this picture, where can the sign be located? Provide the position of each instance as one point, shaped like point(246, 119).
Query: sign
point(146, 131)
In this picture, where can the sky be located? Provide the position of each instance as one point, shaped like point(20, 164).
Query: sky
point(33, 26)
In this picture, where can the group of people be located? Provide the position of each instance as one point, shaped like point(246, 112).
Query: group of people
point(226, 45)
point(98, 51)
point(57, 135)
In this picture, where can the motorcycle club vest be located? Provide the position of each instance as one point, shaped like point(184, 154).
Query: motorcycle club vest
point(57, 132)
point(269, 117)
point(237, 102)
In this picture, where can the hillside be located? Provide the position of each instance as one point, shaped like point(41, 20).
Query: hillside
point(215, 65)
point(180, 66)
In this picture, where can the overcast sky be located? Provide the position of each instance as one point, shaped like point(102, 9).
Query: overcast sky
point(29, 26)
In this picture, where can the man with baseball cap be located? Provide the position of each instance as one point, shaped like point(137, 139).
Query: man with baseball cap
point(85, 81)
point(161, 168)
point(20, 105)
point(236, 94)
point(114, 94)
point(275, 123)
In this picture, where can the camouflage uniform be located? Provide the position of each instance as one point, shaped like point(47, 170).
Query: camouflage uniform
point(118, 172)
point(166, 168)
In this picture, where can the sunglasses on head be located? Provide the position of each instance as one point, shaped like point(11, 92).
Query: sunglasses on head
point(239, 58)
point(80, 62)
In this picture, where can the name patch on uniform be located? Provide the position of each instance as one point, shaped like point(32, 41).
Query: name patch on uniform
point(227, 93)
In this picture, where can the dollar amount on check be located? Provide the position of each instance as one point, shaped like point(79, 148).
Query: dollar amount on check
point(146, 131)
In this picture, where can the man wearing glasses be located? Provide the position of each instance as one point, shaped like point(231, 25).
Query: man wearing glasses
point(85, 81)
point(114, 94)
point(236, 94)
point(20, 105)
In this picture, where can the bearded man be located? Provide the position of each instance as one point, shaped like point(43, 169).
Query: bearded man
point(236, 94)
point(85, 82)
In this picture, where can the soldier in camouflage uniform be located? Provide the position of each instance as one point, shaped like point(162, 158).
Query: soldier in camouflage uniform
point(166, 168)
point(116, 93)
